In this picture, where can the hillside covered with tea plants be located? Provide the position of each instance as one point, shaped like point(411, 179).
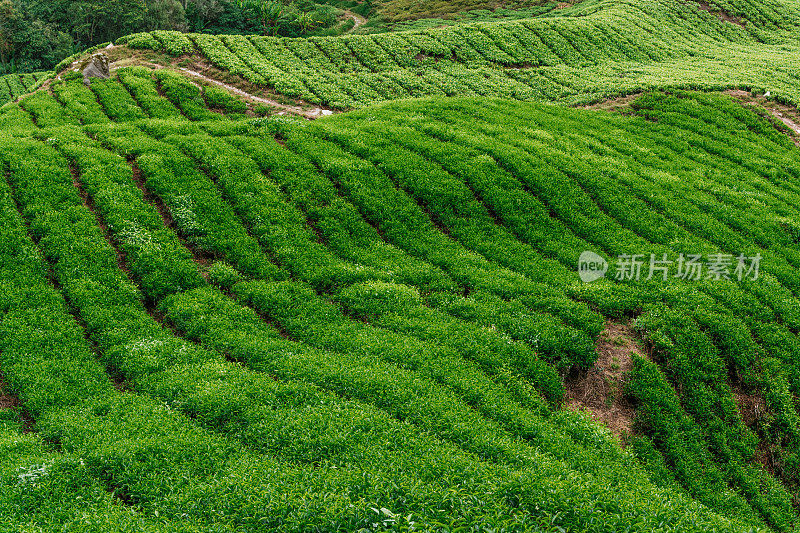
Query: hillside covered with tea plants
point(585, 52)
point(218, 315)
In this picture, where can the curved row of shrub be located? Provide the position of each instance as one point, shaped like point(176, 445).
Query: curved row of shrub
point(627, 46)
point(406, 297)
point(12, 86)
point(164, 367)
point(615, 224)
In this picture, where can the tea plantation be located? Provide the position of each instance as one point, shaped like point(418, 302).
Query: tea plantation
point(213, 320)
point(590, 51)
point(13, 86)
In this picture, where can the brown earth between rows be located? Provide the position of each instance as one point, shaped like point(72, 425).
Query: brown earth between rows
point(7, 400)
point(601, 389)
point(785, 118)
point(722, 15)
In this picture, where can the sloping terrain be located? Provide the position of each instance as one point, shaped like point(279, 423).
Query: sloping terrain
point(218, 315)
point(591, 51)
point(296, 325)
point(410, 9)
point(13, 86)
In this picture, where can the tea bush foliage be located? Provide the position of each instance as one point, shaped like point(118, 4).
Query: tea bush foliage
point(215, 322)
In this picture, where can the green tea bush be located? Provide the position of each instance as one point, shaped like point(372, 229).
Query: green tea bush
point(141, 40)
point(581, 54)
point(79, 101)
point(416, 355)
point(219, 98)
point(139, 81)
point(117, 102)
point(375, 298)
point(223, 275)
point(185, 95)
point(174, 43)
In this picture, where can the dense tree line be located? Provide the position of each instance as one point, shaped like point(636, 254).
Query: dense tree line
point(36, 34)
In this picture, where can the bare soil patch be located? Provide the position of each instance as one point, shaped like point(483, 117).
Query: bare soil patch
point(722, 15)
point(7, 399)
point(620, 104)
point(794, 126)
point(767, 456)
point(601, 389)
point(752, 407)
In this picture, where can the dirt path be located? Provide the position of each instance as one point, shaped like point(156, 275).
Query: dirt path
point(310, 114)
point(790, 116)
point(294, 110)
point(789, 122)
point(722, 15)
point(358, 19)
point(7, 400)
point(618, 104)
point(285, 109)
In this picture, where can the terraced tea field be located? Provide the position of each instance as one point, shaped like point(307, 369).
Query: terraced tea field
point(218, 315)
point(593, 50)
point(13, 86)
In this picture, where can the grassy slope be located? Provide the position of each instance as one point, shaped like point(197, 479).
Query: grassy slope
point(373, 335)
point(395, 10)
point(382, 334)
point(594, 50)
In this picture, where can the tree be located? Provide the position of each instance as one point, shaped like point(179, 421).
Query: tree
point(201, 13)
point(165, 15)
point(267, 12)
point(271, 13)
point(93, 21)
point(41, 46)
point(9, 26)
point(28, 43)
point(105, 20)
